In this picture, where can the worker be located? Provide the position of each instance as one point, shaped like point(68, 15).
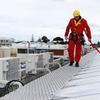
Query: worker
point(77, 25)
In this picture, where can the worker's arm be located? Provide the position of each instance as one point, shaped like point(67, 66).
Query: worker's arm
point(87, 31)
point(67, 29)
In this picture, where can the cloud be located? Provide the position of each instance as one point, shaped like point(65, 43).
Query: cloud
point(16, 8)
point(22, 18)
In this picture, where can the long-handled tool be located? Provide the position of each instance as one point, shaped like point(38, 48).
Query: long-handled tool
point(94, 46)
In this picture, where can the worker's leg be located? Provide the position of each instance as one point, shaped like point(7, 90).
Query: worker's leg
point(71, 46)
point(78, 52)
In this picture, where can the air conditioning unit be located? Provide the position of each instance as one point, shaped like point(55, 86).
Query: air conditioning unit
point(33, 62)
point(43, 61)
point(9, 68)
point(29, 60)
point(40, 61)
point(22, 67)
point(47, 57)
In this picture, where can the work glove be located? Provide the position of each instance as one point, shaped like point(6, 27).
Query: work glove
point(66, 38)
point(89, 40)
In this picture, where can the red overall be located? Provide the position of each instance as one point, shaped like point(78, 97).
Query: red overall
point(76, 27)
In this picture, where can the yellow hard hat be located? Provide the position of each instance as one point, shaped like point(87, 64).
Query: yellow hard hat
point(76, 13)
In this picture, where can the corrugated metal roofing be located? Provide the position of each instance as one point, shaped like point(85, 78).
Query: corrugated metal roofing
point(86, 84)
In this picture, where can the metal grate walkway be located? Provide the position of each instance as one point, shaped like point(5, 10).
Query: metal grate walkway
point(44, 87)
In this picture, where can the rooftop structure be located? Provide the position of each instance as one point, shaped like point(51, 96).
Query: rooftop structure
point(65, 83)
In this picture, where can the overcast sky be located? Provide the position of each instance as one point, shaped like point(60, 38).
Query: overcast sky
point(20, 19)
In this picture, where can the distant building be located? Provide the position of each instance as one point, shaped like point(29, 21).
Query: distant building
point(5, 41)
